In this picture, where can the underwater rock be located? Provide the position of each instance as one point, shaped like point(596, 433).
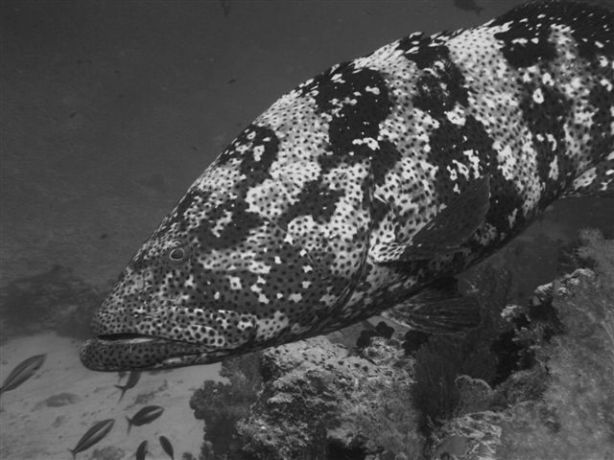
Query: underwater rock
point(563, 406)
point(321, 401)
point(59, 400)
point(108, 453)
point(315, 399)
point(221, 405)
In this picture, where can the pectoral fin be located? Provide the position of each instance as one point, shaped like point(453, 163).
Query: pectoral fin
point(439, 308)
point(596, 181)
point(452, 227)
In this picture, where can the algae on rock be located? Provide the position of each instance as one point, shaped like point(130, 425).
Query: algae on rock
point(321, 401)
point(563, 406)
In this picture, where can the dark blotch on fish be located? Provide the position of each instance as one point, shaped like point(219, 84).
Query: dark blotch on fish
point(141, 451)
point(133, 379)
point(146, 415)
point(22, 372)
point(167, 447)
point(92, 436)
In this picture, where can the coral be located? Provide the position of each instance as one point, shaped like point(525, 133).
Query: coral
point(221, 405)
point(445, 361)
point(318, 400)
point(599, 252)
point(575, 417)
point(561, 406)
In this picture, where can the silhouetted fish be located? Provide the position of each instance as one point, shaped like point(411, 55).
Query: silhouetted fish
point(92, 436)
point(225, 4)
point(141, 451)
point(146, 415)
point(167, 447)
point(468, 5)
point(133, 379)
point(22, 372)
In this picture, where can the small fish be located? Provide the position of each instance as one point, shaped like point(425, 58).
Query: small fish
point(98, 431)
point(146, 415)
point(468, 5)
point(133, 379)
point(22, 372)
point(167, 447)
point(225, 4)
point(141, 451)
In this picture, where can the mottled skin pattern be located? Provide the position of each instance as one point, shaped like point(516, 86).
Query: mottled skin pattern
point(304, 224)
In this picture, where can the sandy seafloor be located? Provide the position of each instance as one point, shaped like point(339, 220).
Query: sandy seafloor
point(37, 427)
point(109, 110)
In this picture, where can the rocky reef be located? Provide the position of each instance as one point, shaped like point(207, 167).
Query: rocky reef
point(532, 382)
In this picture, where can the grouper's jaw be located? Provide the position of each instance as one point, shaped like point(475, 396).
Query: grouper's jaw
point(155, 334)
point(135, 352)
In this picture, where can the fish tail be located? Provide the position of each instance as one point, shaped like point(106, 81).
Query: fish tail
point(123, 388)
point(73, 453)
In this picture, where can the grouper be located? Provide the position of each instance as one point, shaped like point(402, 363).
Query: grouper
point(369, 187)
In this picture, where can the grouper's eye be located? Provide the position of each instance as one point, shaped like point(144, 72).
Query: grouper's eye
point(177, 254)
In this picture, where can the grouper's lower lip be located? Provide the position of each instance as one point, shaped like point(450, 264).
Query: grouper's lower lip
point(127, 352)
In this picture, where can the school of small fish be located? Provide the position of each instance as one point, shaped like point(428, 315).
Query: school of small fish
point(99, 430)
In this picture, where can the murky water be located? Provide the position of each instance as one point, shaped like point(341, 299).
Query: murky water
point(109, 111)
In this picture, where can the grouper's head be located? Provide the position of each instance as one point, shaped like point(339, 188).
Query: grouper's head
point(261, 250)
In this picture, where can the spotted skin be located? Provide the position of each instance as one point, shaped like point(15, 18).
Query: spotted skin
point(284, 236)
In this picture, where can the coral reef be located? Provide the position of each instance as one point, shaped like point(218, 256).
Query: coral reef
point(222, 405)
point(575, 416)
point(562, 407)
point(317, 400)
point(320, 400)
point(532, 382)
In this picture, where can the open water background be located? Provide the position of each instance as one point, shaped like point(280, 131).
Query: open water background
point(109, 110)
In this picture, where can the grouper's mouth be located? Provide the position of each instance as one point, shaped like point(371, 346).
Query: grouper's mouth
point(124, 352)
